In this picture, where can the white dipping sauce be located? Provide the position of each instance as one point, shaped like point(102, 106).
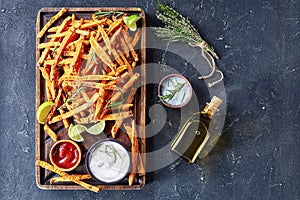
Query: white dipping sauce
point(109, 162)
point(182, 96)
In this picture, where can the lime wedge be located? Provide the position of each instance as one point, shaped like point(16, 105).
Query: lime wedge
point(43, 111)
point(70, 128)
point(97, 128)
point(131, 21)
point(133, 27)
point(74, 132)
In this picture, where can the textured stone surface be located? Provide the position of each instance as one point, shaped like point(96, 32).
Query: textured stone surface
point(258, 154)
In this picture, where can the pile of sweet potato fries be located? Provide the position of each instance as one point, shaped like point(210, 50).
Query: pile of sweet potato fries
point(88, 67)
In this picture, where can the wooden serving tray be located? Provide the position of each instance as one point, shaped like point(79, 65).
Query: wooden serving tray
point(44, 143)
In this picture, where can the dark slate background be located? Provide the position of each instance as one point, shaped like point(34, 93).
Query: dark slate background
point(257, 156)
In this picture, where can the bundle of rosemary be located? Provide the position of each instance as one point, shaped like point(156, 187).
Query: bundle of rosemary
point(179, 29)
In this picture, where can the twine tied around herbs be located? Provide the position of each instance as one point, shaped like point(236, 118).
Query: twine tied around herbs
point(209, 55)
point(179, 29)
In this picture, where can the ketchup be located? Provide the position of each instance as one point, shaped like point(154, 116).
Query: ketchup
point(65, 155)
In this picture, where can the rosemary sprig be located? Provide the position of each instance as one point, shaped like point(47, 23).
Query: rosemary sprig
point(172, 93)
point(179, 28)
point(100, 14)
point(112, 152)
point(53, 50)
point(92, 56)
point(117, 103)
point(183, 96)
point(69, 99)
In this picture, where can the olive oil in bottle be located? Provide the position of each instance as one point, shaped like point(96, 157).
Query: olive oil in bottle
point(194, 138)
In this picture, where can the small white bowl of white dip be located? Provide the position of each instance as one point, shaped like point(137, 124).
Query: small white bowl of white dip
point(175, 91)
point(108, 161)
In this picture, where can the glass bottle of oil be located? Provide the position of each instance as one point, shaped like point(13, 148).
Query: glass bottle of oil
point(195, 137)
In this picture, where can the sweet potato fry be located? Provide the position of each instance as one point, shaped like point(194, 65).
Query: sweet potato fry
point(100, 102)
point(84, 56)
point(101, 54)
point(133, 64)
point(54, 169)
point(131, 95)
point(141, 167)
point(53, 29)
point(48, 91)
point(116, 127)
point(57, 35)
point(116, 96)
point(88, 67)
point(65, 61)
point(76, 110)
point(136, 38)
point(128, 130)
point(126, 86)
point(105, 39)
point(69, 53)
point(48, 44)
point(61, 111)
point(82, 32)
point(97, 34)
point(85, 96)
point(115, 35)
point(114, 25)
point(73, 177)
point(71, 47)
point(92, 85)
point(124, 47)
point(49, 23)
point(46, 51)
point(69, 37)
point(119, 122)
point(73, 19)
point(116, 116)
point(134, 153)
point(91, 111)
point(127, 64)
point(119, 70)
point(76, 103)
point(117, 57)
point(122, 107)
point(51, 133)
point(88, 78)
point(124, 75)
point(108, 45)
point(45, 74)
point(108, 21)
point(86, 120)
point(56, 102)
point(92, 24)
point(53, 89)
point(76, 57)
point(126, 38)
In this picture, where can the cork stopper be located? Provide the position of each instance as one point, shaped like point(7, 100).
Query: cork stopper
point(212, 107)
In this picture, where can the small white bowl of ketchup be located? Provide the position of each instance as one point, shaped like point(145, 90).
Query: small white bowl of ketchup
point(65, 155)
